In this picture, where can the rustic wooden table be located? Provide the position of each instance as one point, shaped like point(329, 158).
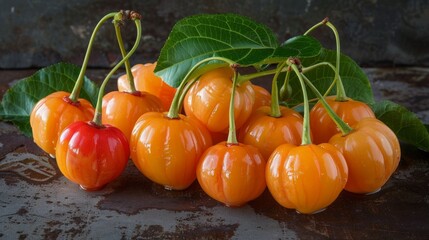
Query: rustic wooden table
point(36, 201)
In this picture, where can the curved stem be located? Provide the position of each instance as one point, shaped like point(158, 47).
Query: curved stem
point(341, 93)
point(185, 90)
point(323, 22)
point(312, 67)
point(275, 106)
point(98, 108)
point(116, 23)
point(79, 82)
point(208, 67)
point(173, 112)
point(333, 83)
point(306, 137)
point(344, 127)
point(244, 78)
point(232, 135)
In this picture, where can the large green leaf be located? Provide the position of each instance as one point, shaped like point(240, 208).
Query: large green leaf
point(355, 81)
point(19, 100)
point(299, 46)
point(235, 37)
point(406, 125)
point(198, 37)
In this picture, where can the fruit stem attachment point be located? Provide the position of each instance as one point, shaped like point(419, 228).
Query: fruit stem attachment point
point(79, 82)
point(98, 108)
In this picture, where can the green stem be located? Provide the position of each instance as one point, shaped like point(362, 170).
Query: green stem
point(185, 90)
point(323, 22)
point(232, 135)
point(312, 67)
point(173, 112)
point(116, 23)
point(329, 88)
point(306, 137)
point(79, 82)
point(206, 68)
point(247, 77)
point(275, 106)
point(344, 127)
point(341, 93)
point(98, 108)
point(284, 90)
point(319, 64)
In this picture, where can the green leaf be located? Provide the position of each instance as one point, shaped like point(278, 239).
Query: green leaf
point(406, 125)
point(299, 46)
point(231, 36)
point(19, 100)
point(198, 37)
point(355, 81)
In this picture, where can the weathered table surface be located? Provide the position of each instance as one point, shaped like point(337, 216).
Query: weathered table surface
point(36, 201)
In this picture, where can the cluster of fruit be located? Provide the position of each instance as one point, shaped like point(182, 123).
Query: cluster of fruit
point(219, 128)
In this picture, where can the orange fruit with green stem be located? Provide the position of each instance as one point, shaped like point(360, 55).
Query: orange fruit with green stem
point(231, 172)
point(145, 80)
point(308, 177)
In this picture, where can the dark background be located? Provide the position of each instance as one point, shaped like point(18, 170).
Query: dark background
point(388, 38)
point(376, 33)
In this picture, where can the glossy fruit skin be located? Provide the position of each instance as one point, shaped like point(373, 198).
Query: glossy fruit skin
point(208, 100)
point(123, 84)
point(233, 174)
point(145, 80)
point(307, 178)
point(122, 109)
point(167, 150)
point(372, 153)
point(350, 111)
point(266, 132)
point(262, 97)
point(52, 114)
point(92, 156)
